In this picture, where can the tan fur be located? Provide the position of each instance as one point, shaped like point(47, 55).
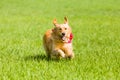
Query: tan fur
point(55, 41)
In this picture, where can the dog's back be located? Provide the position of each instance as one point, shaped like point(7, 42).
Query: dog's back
point(47, 42)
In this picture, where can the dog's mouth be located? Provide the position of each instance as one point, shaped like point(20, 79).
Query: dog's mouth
point(63, 38)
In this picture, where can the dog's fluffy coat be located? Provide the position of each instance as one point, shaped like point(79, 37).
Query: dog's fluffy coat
point(57, 41)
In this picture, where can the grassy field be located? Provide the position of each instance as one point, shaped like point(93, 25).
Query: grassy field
point(96, 29)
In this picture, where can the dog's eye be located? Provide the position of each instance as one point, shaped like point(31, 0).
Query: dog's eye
point(60, 29)
point(65, 28)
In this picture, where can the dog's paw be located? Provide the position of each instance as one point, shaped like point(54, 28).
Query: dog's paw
point(71, 56)
point(61, 53)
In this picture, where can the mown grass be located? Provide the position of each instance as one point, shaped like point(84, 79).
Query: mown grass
point(96, 29)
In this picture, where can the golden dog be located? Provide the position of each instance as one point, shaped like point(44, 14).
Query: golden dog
point(58, 41)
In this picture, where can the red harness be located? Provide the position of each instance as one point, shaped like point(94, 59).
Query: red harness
point(70, 39)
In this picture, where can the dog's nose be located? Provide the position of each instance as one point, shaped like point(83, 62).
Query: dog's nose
point(63, 34)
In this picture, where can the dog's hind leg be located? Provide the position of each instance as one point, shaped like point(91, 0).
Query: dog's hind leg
point(71, 56)
point(46, 50)
point(69, 53)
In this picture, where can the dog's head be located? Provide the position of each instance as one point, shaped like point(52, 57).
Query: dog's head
point(63, 31)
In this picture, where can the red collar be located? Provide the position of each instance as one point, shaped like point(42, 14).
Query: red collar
point(70, 38)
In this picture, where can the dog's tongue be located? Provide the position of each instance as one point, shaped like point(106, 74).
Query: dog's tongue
point(63, 38)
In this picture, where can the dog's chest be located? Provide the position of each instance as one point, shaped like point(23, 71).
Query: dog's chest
point(62, 46)
point(67, 46)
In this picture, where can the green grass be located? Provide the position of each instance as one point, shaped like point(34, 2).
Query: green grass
point(96, 29)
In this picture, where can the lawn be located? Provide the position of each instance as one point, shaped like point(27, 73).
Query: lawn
point(96, 29)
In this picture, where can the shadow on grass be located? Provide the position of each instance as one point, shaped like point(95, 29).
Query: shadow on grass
point(39, 58)
point(36, 58)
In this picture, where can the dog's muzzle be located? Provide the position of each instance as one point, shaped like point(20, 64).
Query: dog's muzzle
point(63, 36)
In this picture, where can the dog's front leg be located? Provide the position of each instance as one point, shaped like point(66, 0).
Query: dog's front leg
point(58, 53)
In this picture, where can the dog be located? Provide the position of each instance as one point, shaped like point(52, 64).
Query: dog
point(57, 42)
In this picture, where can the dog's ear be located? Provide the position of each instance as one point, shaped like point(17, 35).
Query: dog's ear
point(55, 22)
point(65, 20)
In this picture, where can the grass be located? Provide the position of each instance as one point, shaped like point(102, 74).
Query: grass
point(96, 29)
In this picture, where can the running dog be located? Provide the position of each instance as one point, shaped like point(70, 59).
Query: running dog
point(58, 41)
